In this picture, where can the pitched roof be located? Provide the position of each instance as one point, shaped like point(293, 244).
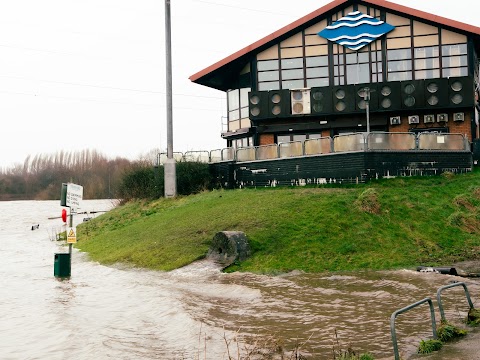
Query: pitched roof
point(221, 74)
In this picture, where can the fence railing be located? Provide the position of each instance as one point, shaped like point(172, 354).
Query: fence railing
point(432, 313)
point(375, 141)
point(405, 309)
point(439, 297)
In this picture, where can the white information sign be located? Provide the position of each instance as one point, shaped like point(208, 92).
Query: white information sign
point(74, 195)
point(71, 235)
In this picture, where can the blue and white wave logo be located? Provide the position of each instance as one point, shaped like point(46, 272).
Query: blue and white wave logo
point(356, 30)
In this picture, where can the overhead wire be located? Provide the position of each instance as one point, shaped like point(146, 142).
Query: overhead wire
point(241, 8)
point(106, 87)
point(101, 101)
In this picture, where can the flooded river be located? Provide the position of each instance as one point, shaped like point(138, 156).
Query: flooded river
point(196, 312)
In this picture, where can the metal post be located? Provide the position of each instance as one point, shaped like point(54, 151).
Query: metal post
point(70, 246)
point(170, 170)
point(365, 94)
point(401, 311)
point(439, 297)
point(71, 225)
point(367, 108)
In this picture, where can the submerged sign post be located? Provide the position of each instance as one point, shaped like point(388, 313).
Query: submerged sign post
point(71, 196)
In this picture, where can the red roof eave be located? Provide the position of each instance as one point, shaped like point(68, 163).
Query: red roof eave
point(425, 15)
point(380, 3)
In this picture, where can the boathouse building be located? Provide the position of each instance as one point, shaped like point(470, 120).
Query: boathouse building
point(354, 90)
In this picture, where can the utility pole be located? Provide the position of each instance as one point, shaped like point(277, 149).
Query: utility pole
point(169, 165)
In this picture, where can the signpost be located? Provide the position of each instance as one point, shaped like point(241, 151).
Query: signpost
point(71, 196)
point(74, 196)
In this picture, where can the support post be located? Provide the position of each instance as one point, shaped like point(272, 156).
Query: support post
point(170, 171)
point(70, 246)
point(367, 108)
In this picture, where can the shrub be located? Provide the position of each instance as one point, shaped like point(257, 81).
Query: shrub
point(193, 177)
point(473, 317)
point(447, 332)
point(429, 346)
point(143, 181)
point(138, 183)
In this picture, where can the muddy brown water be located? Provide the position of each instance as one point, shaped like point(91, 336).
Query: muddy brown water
point(192, 313)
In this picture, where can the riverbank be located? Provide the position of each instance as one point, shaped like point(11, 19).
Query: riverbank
point(389, 224)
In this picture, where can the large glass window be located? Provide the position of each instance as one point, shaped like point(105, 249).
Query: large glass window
point(402, 63)
point(242, 142)
point(377, 66)
point(237, 102)
point(357, 67)
point(454, 60)
point(244, 102)
point(358, 73)
point(338, 65)
point(399, 64)
point(427, 62)
point(233, 97)
point(292, 73)
point(268, 75)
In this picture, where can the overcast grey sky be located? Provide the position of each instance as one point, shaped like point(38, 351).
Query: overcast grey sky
point(90, 74)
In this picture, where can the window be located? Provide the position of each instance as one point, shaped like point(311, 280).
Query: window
point(292, 63)
point(268, 75)
point(292, 73)
point(271, 85)
point(233, 98)
point(267, 65)
point(296, 137)
point(402, 65)
point(360, 67)
point(237, 102)
point(244, 102)
point(292, 84)
point(454, 60)
point(427, 62)
point(400, 76)
point(242, 142)
point(377, 64)
point(399, 54)
point(399, 64)
point(338, 65)
point(358, 73)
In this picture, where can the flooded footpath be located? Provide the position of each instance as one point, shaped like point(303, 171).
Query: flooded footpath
point(197, 312)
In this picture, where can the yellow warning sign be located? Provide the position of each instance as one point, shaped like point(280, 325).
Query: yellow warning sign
point(71, 235)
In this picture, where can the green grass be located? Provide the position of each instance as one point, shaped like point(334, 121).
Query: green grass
point(385, 224)
point(447, 332)
point(473, 318)
point(429, 346)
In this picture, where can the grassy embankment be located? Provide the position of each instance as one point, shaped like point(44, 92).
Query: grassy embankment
point(402, 222)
